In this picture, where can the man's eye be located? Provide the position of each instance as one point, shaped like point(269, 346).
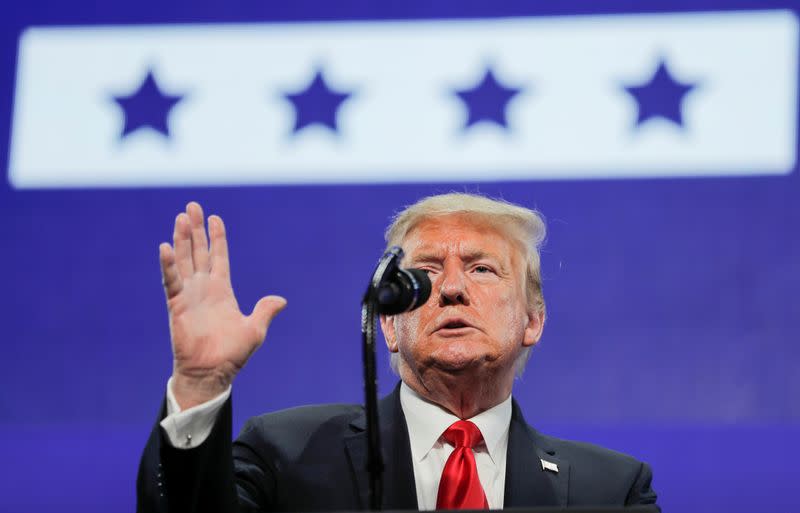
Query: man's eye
point(482, 269)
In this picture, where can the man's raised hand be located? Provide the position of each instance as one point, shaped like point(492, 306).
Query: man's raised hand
point(211, 338)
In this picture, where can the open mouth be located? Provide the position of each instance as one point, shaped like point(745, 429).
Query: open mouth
point(454, 326)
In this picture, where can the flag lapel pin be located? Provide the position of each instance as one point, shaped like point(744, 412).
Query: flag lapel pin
point(549, 465)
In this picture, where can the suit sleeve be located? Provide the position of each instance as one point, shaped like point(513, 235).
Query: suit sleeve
point(201, 479)
point(641, 492)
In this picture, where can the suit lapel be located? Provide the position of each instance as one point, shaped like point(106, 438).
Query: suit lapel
point(399, 488)
point(527, 483)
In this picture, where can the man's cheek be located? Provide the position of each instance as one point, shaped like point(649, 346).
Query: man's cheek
point(406, 327)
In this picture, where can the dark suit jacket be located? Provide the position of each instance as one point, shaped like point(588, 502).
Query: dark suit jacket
point(314, 458)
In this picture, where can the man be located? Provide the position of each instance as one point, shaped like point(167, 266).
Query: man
point(452, 437)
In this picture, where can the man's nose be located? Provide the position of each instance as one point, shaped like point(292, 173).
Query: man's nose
point(453, 287)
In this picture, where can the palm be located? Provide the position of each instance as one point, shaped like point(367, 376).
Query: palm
point(211, 338)
point(208, 330)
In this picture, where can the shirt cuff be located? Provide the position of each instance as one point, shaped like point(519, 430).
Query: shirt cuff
point(189, 428)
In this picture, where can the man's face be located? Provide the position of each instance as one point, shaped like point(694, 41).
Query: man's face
point(477, 317)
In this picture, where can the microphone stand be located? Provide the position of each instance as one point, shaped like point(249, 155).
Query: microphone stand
point(387, 264)
point(374, 456)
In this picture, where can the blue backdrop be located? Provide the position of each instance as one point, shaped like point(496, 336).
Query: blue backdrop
point(673, 303)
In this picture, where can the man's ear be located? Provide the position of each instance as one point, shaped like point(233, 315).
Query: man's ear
point(533, 331)
point(389, 333)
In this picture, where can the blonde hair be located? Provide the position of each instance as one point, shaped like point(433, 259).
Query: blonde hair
point(524, 226)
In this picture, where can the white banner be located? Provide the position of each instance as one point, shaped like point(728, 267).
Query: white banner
point(696, 94)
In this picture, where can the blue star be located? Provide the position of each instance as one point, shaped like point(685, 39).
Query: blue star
point(661, 97)
point(316, 104)
point(487, 101)
point(147, 107)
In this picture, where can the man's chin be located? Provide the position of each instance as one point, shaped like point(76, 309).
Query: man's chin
point(454, 362)
point(459, 355)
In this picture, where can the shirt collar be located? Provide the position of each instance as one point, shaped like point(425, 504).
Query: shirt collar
point(427, 421)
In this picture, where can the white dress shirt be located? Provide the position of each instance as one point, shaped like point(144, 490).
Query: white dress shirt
point(426, 424)
point(189, 428)
point(429, 451)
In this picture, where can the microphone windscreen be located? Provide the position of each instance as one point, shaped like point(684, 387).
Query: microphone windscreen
point(408, 289)
point(424, 285)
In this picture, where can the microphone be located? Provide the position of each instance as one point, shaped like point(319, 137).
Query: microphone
point(406, 290)
point(397, 290)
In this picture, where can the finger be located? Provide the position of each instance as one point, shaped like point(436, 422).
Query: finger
point(220, 265)
point(170, 276)
point(199, 240)
point(182, 242)
point(265, 310)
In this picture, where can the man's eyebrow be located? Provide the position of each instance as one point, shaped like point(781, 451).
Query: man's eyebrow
point(471, 255)
point(475, 255)
point(426, 257)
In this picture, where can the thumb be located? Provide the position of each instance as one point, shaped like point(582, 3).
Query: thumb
point(265, 310)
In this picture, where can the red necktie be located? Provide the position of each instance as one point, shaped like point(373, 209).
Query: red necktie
point(460, 487)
